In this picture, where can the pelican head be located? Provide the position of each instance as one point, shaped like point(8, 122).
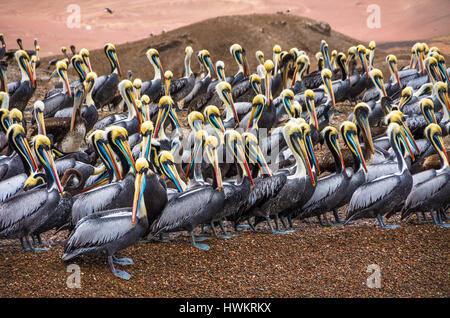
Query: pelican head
point(118, 139)
point(38, 112)
point(287, 96)
point(42, 149)
point(260, 57)
point(325, 55)
point(199, 138)
point(168, 75)
point(164, 107)
point(196, 120)
point(61, 70)
point(137, 84)
point(235, 144)
point(407, 94)
point(153, 56)
point(391, 61)
point(268, 66)
point(147, 131)
point(167, 164)
point(326, 79)
point(15, 116)
point(331, 136)
point(89, 84)
point(254, 154)
point(349, 133)
point(205, 58)
point(434, 134)
point(294, 134)
point(23, 60)
point(110, 51)
point(4, 100)
point(17, 138)
point(142, 168)
point(361, 112)
point(362, 51)
point(126, 90)
point(256, 112)
point(212, 114)
point(377, 78)
point(301, 64)
point(79, 66)
point(427, 107)
point(84, 53)
point(441, 92)
point(99, 141)
point(4, 119)
point(255, 83)
point(397, 136)
point(239, 56)
point(220, 68)
point(311, 108)
point(223, 90)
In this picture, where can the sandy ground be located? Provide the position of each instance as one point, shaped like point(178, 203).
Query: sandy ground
point(400, 20)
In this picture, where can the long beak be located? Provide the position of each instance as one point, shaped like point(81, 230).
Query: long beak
point(410, 137)
point(66, 81)
point(51, 165)
point(30, 73)
point(174, 117)
point(4, 79)
point(421, 63)
point(358, 151)
point(444, 73)
point(40, 116)
point(262, 163)
point(113, 162)
point(88, 63)
point(404, 138)
point(211, 67)
point(139, 187)
point(295, 74)
point(127, 150)
point(28, 154)
point(162, 114)
point(167, 86)
point(310, 149)
point(340, 156)
point(217, 170)
point(330, 90)
point(313, 113)
point(267, 79)
point(193, 156)
point(53, 74)
point(103, 180)
point(306, 157)
point(363, 61)
point(118, 65)
point(412, 60)
point(231, 104)
point(241, 155)
point(173, 175)
point(366, 127)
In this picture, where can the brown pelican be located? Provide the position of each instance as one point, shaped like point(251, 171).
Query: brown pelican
point(331, 189)
point(21, 92)
point(431, 188)
point(181, 87)
point(238, 54)
point(106, 85)
point(33, 208)
point(113, 230)
point(193, 207)
point(382, 195)
point(292, 193)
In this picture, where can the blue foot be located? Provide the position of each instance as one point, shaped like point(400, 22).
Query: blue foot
point(223, 236)
point(123, 261)
point(37, 249)
point(390, 226)
point(242, 226)
point(204, 247)
point(122, 274)
point(444, 225)
point(201, 239)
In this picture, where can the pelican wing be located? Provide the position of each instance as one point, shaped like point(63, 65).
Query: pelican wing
point(11, 186)
point(372, 192)
point(265, 189)
point(20, 206)
point(99, 229)
point(182, 207)
point(92, 201)
point(326, 190)
point(426, 191)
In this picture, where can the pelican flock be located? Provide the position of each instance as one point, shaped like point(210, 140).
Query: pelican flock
point(247, 153)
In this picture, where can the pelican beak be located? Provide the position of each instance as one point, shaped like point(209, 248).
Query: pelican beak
point(23, 142)
point(397, 78)
point(167, 86)
point(174, 117)
point(193, 156)
point(40, 117)
point(210, 66)
point(212, 153)
point(358, 151)
point(51, 165)
point(53, 74)
point(366, 128)
point(329, 85)
point(66, 82)
point(78, 99)
point(230, 103)
point(260, 160)
point(241, 155)
point(303, 150)
point(267, 80)
point(174, 176)
point(363, 62)
point(312, 111)
point(421, 63)
point(4, 79)
point(88, 63)
point(406, 143)
point(112, 160)
point(125, 146)
point(310, 150)
point(162, 114)
point(117, 62)
point(295, 74)
point(136, 109)
point(139, 187)
point(410, 137)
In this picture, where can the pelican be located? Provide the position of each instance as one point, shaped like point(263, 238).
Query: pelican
point(292, 193)
point(381, 196)
point(21, 92)
point(431, 188)
point(24, 213)
point(193, 207)
point(238, 54)
point(4, 120)
point(165, 109)
point(113, 230)
point(106, 85)
point(181, 87)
